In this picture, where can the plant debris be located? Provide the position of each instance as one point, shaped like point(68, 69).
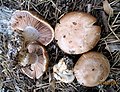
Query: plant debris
point(11, 78)
point(107, 8)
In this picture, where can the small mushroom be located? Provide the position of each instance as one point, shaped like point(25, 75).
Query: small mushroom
point(92, 69)
point(63, 70)
point(37, 59)
point(32, 27)
point(76, 34)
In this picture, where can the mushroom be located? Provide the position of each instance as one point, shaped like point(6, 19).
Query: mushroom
point(76, 32)
point(63, 70)
point(32, 27)
point(37, 59)
point(92, 69)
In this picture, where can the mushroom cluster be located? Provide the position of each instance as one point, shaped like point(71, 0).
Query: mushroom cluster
point(36, 33)
point(76, 33)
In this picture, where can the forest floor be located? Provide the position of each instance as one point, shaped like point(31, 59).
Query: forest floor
point(11, 78)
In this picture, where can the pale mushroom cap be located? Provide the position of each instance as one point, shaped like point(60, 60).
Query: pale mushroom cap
point(76, 34)
point(62, 73)
point(91, 69)
point(38, 62)
point(21, 19)
point(33, 47)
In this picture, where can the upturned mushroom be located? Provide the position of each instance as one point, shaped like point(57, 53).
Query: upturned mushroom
point(63, 71)
point(32, 27)
point(92, 69)
point(37, 58)
point(76, 32)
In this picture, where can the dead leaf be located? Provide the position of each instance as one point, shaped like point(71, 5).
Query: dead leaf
point(107, 8)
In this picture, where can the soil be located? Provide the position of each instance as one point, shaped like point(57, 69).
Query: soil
point(11, 78)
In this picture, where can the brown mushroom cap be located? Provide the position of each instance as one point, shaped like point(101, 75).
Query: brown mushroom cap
point(32, 26)
point(38, 60)
point(91, 69)
point(76, 34)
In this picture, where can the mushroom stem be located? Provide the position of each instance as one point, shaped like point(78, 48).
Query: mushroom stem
point(30, 33)
point(62, 71)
